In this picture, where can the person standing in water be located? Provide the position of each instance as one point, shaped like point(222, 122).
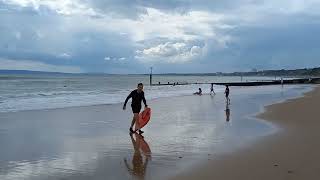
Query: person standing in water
point(137, 96)
point(211, 90)
point(227, 92)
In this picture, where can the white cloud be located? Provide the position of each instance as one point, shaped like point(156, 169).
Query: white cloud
point(168, 28)
point(65, 56)
point(36, 66)
point(170, 52)
point(158, 31)
point(18, 35)
point(150, 26)
point(190, 26)
point(63, 7)
point(159, 24)
point(114, 59)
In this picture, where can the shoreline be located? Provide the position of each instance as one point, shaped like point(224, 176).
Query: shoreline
point(221, 93)
point(290, 153)
point(104, 104)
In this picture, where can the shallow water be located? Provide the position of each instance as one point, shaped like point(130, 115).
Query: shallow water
point(30, 92)
point(93, 142)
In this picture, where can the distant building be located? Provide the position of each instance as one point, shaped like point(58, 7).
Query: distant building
point(254, 70)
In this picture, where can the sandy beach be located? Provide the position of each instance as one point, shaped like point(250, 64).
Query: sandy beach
point(186, 132)
point(232, 89)
point(291, 153)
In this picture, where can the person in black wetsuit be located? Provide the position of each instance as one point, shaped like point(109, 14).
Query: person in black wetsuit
point(227, 92)
point(211, 90)
point(137, 96)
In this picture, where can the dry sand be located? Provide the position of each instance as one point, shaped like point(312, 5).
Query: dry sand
point(291, 153)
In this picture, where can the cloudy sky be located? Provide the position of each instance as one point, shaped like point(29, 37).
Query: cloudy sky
point(129, 36)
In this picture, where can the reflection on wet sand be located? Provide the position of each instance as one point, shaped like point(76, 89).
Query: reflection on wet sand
point(139, 164)
point(227, 112)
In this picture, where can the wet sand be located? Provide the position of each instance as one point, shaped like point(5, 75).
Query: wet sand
point(93, 142)
point(291, 153)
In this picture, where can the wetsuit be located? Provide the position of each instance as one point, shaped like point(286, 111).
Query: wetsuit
point(227, 92)
point(136, 100)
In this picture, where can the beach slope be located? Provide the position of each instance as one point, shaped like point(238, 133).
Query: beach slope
point(291, 153)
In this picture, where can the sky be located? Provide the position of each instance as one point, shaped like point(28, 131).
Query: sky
point(172, 36)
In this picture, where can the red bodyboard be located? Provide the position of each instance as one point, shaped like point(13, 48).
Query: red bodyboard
point(144, 118)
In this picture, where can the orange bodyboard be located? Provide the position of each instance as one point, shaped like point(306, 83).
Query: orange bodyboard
point(144, 118)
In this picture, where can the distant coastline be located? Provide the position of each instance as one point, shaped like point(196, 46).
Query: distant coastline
point(283, 72)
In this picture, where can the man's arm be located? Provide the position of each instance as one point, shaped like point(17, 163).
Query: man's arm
point(125, 102)
point(144, 100)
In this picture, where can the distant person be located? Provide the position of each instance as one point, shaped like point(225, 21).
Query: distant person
point(227, 92)
point(137, 96)
point(199, 92)
point(281, 82)
point(212, 90)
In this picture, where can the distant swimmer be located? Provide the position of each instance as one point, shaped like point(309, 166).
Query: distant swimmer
point(227, 92)
point(137, 96)
point(212, 90)
point(199, 92)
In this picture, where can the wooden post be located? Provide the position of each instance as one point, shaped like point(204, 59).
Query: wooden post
point(150, 76)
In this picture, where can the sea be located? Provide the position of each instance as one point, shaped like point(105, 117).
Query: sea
point(20, 92)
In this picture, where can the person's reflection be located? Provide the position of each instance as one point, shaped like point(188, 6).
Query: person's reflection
point(138, 166)
point(227, 112)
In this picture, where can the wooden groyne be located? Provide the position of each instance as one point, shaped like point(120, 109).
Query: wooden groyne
point(251, 83)
point(172, 84)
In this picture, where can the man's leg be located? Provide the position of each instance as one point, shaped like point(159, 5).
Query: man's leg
point(136, 116)
point(136, 122)
point(133, 121)
point(137, 126)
